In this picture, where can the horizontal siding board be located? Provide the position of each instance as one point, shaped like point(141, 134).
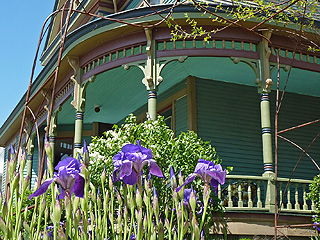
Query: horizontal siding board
point(35, 163)
point(6, 150)
point(181, 115)
point(297, 109)
point(232, 125)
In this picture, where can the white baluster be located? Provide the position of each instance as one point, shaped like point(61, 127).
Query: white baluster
point(296, 205)
point(259, 203)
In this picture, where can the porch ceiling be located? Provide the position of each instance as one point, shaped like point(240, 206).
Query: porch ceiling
point(120, 92)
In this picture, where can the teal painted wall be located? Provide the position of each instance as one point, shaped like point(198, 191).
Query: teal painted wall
point(295, 110)
point(6, 150)
point(35, 164)
point(228, 115)
point(181, 110)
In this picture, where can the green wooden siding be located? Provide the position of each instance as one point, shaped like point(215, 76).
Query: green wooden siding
point(297, 109)
point(6, 150)
point(35, 164)
point(228, 115)
point(181, 115)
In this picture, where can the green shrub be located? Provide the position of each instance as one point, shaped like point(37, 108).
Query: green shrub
point(182, 152)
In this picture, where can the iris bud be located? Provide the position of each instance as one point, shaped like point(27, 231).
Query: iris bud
point(75, 203)
point(138, 198)
point(154, 235)
point(193, 201)
point(3, 226)
point(61, 234)
point(166, 212)
point(179, 215)
point(119, 198)
point(145, 199)
point(43, 205)
point(160, 231)
point(173, 180)
point(155, 202)
point(11, 168)
point(110, 183)
point(206, 193)
point(46, 213)
point(93, 189)
point(103, 176)
point(26, 226)
point(147, 188)
point(23, 160)
point(180, 178)
point(77, 217)
point(195, 227)
point(25, 213)
point(48, 150)
point(185, 227)
point(167, 224)
point(175, 197)
point(139, 216)
point(45, 235)
point(86, 158)
point(57, 212)
point(145, 222)
point(125, 213)
point(20, 236)
point(26, 183)
point(50, 167)
point(175, 237)
point(15, 181)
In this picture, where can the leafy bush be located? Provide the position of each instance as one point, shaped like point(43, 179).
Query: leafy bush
point(314, 195)
point(182, 152)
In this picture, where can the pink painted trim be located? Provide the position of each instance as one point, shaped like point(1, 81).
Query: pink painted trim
point(296, 63)
point(208, 52)
point(113, 45)
point(113, 64)
point(195, 52)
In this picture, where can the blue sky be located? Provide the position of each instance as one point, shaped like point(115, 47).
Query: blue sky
point(20, 26)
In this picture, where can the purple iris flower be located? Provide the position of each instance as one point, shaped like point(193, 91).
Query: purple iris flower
point(68, 177)
point(186, 199)
point(128, 163)
point(209, 173)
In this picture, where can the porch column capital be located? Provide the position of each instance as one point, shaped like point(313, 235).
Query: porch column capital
point(79, 94)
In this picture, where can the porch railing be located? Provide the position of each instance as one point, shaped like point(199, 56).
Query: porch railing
point(256, 193)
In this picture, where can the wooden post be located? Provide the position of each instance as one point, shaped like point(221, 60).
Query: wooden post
point(79, 99)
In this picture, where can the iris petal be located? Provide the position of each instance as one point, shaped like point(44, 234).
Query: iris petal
point(219, 176)
point(155, 169)
point(131, 179)
point(130, 148)
point(188, 180)
point(42, 189)
point(125, 169)
point(78, 186)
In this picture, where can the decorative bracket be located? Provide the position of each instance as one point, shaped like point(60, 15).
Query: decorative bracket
point(79, 94)
point(274, 66)
point(152, 82)
point(53, 122)
point(253, 64)
point(30, 144)
point(152, 67)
